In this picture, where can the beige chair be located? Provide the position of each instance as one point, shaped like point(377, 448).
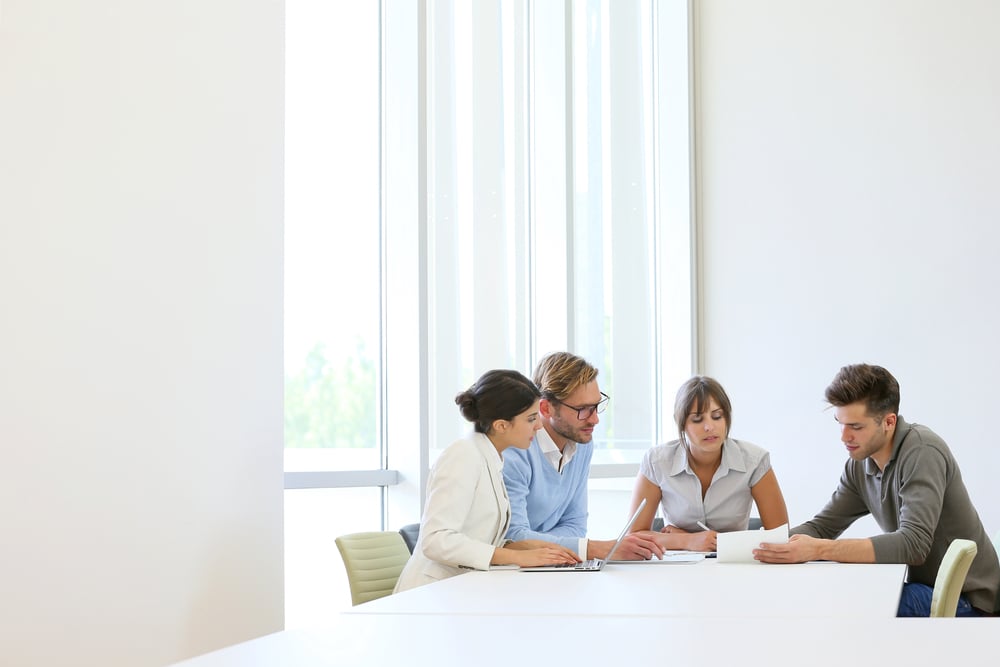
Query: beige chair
point(373, 562)
point(951, 577)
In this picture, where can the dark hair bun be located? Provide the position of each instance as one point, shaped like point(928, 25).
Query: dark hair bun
point(498, 394)
point(467, 405)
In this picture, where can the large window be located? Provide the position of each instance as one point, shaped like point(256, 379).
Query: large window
point(332, 294)
point(332, 236)
point(469, 186)
point(545, 228)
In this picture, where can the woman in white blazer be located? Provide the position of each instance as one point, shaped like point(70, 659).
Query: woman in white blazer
point(467, 511)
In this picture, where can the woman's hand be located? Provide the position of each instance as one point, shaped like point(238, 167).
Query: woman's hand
point(531, 553)
point(703, 541)
point(548, 555)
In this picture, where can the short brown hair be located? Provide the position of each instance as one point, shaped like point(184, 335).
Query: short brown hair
point(559, 374)
point(872, 385)
point(694, 396)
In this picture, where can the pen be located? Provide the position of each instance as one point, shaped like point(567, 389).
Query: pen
point(703, 526)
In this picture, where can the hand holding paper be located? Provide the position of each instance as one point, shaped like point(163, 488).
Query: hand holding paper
point(738, 546)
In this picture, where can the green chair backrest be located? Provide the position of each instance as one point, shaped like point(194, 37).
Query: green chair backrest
point(951, 577)
point(373, 562)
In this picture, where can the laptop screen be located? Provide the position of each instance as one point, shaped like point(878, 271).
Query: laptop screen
point(626, 529)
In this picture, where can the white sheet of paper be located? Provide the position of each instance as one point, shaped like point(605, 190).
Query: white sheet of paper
point(668, 557)
point(738, 546)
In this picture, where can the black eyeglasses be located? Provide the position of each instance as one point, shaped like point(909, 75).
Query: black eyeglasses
point(586, 411)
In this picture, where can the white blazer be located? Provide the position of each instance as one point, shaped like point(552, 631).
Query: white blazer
point(465, 517)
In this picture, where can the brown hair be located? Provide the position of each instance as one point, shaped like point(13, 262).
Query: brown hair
point(872, 385)
point(559, 374)
point(694, 396)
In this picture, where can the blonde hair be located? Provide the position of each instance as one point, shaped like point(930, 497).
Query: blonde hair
point(559, 374)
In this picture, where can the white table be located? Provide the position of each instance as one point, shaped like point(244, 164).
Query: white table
point(707, 589)
point(458, 641)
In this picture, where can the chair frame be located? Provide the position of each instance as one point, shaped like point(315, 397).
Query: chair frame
point(951, 577)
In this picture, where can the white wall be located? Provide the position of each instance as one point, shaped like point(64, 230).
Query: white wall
point(140, 328)
point(849, 206)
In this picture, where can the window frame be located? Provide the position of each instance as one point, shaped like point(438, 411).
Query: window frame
point(404, 364)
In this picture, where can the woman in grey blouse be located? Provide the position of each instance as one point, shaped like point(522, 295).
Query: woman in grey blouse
point(705, 481)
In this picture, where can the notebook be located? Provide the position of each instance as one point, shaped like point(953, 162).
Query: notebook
point(594, 564)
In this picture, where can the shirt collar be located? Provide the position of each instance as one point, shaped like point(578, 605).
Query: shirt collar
point(485, 445)
point(902, 428)
point(731, 460)
point(551, 452)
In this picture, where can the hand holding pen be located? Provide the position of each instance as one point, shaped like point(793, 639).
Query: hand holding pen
point(703, 541)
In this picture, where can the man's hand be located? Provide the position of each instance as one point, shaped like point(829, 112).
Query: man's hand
point(635, 546)
point(800, 548)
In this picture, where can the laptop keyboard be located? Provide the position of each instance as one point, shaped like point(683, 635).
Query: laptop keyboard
point(593, 562)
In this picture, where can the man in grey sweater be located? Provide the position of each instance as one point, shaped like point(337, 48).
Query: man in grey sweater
point(905, 476)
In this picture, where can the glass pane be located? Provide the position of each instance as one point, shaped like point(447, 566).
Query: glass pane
point(613, 296)
point(477, 245)
point(315, 581)
point(332, 252)
point(608, 502)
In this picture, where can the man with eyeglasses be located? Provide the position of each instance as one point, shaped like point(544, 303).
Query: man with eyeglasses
point(547, 483)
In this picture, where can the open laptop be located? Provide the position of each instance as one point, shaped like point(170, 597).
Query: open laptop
point(594, 564)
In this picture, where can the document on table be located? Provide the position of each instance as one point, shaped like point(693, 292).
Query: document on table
point(668, 557)
point(738, 546)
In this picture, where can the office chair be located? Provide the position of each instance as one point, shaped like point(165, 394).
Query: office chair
point(410, 533)
point(373, 562)
point(951, 577)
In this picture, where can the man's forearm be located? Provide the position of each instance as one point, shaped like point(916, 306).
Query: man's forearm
point(847, 551)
